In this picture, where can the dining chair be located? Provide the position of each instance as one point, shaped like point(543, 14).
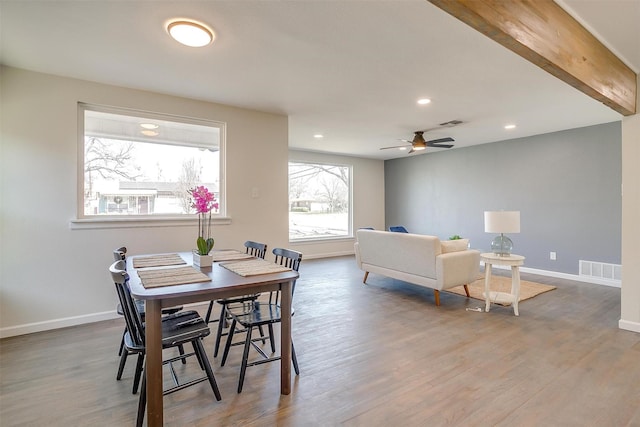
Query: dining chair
point(398, 229)
point(257, 250)
point(262, 314)
point(120, 254)
point(177, 329)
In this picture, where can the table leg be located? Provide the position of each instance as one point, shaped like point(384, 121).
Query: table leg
point(285, 339)
point(515, 287)
point(153, 342)
point(487, 290)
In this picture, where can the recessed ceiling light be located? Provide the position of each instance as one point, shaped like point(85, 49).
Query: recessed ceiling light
point(149, 132)
point(510, 127)
point(424, 101)
point(148, 126)
point(318, 136)
point(190, 33)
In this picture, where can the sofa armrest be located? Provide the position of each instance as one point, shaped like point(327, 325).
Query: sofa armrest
point(457, 268)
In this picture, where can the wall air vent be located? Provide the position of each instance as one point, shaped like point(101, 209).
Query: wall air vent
point(601, 270)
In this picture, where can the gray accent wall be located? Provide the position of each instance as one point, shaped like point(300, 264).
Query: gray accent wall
point(566, 185)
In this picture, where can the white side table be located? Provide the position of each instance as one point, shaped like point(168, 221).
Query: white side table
point(515, 261)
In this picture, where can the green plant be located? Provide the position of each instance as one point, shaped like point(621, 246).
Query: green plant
point(455, 237)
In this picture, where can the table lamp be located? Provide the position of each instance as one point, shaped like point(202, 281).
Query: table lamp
point(502, 222)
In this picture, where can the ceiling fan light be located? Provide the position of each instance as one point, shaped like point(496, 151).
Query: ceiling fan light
point(419, 147)
point(190, 33)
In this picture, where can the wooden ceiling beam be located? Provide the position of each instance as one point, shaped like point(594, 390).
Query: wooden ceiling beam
point(546, 35)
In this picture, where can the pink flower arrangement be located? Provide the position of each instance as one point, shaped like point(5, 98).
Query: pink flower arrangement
point(204, 202)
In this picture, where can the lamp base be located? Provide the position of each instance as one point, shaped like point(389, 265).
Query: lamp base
point(502, 245)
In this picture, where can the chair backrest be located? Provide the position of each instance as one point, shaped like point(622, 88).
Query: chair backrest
point(120, 254)
point(288, 258)
point(398, 229)
point(258, 250)
point(132, 317)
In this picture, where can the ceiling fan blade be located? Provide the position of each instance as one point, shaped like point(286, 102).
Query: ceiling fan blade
point(395, 146)
point(440, 146)
point(437, 141)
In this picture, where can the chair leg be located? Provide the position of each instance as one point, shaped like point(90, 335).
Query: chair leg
point(294, 359)
point(181, 350)
point(221, 321)
point(142, 401)
point(245, 358)
point(228, 344)
point(123, 360)
point(139, 372)
point(264, 340)
point(436, 293)
point(121, 349)
point(198, 356)
point(271, 339)
point(207, 318)
point(202, 355)
point(466, 290)
point(366, 274)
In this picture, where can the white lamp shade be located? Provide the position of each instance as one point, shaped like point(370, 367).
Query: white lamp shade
point(502, 221)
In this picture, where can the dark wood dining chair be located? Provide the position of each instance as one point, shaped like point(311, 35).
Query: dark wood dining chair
point(120, 254)
point(177, 329)
point(257, 250)
point(262, 314)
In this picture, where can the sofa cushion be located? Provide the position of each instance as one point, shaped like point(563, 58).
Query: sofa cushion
point(454, 245)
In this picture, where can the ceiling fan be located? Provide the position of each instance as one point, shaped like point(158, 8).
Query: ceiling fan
point(418, 143)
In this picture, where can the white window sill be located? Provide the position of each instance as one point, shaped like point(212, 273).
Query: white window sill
point(142, 222)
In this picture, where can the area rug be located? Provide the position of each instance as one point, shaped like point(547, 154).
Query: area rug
point(503, 284)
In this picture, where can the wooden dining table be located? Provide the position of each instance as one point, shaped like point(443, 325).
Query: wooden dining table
point(224, 283)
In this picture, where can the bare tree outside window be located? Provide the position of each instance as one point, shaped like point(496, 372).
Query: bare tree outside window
point(319, 206)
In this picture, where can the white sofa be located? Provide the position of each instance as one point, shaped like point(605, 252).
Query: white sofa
point(418, 259)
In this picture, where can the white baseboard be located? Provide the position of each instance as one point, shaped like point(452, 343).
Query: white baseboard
point(629, 326)
point(574, 277)
point(65, 322)
point(330, 255)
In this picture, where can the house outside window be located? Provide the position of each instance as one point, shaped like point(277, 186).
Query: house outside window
point(319, 201)
point(136, 164)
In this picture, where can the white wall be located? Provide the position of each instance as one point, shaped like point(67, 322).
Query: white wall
point(630, 294)
point(51, 275)
point(367, 203)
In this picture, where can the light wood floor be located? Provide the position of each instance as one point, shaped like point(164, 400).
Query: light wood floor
point(370, 355)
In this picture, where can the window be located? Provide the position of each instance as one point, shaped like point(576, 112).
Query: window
point(138, 164)
point(319, 201)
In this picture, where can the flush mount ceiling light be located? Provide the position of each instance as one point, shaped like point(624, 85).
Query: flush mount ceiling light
point(318, 136)
point(190, 33)
point(149, 132)
point(148, 126)
point(424, 101)
point(510, 127)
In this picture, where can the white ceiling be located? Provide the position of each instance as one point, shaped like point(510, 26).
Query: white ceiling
point(350, 70)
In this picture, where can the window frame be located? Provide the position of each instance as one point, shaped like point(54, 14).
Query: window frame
point(147, 220)
point(350, 233)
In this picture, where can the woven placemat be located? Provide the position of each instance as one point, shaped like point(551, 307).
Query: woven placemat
point(254, 267)
point(229, 255)
point(171, 276)
point(157, 260)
